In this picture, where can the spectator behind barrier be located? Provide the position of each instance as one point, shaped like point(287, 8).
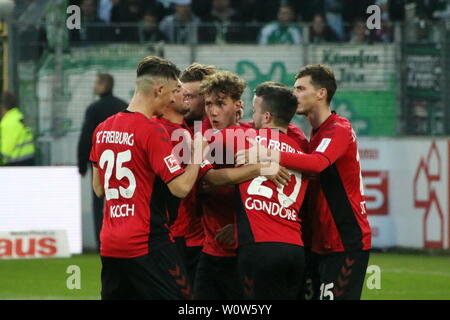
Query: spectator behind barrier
point(320, 32)
point(223, 24)
point(176, 27)
point(385, 33)
point(333, 13)
point(92, 28)
point(359, 33)
point(149, 29)
point(126, 12)
point(281, 31)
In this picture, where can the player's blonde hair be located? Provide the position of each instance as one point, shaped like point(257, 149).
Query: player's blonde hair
point(224, 82)
point(197, 72)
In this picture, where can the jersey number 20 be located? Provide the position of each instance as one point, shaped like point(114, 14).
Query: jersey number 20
point(256, 188)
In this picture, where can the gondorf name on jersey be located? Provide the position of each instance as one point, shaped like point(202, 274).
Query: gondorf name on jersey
point(271, 208)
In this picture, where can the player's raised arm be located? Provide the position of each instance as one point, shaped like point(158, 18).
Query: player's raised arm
point(232, 176)
point(311, 163)
point(183, 184)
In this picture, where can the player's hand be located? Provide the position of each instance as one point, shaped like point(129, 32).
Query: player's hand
point(204, 187)
point(256, 153)
point(225, 236)
point(281, 178)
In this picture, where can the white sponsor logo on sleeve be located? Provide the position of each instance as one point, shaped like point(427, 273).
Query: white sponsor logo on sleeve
point(172, 163)
point(323, 145)
point(204, 163)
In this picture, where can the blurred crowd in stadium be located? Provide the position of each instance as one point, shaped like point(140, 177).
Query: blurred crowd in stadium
point(243, 21)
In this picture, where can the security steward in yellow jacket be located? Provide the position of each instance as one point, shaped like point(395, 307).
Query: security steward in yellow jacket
point(16, 139)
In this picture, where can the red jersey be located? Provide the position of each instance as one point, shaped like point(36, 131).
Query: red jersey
point(134, 157)
point(267, 213)
point(218, 210)
point(292, 131)
point(337, 209)
point(183, 211)
point(219, 206)
point(194, 234)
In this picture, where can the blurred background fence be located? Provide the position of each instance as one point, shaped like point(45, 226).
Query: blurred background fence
point(393, 81)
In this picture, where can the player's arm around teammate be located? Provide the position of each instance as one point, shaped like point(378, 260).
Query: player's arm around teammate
point(136, 170)
point(341, 234)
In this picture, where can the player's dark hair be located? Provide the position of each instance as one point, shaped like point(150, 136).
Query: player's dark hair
point(9, 100)
point(157, 67)
point(196, 72)
point(271, 83)
point(322, 76)
point(224, 82)
point(279, 101)
point(107, 80)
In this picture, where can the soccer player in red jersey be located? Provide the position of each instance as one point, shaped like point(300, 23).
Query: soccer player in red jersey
point(134, 168)
point(292, 131)
point(340, 235)
point(217, 275)
point(172, 119)
point(191, 208)
point(270, 247)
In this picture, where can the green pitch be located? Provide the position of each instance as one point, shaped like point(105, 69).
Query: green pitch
point(403, 276)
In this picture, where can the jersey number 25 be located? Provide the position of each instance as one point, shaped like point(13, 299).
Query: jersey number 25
point(121, 172)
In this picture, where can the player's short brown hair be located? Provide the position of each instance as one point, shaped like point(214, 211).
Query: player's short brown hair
point(322, 76)
point(154, 66)
point(269, 83)
point(224, 82)
point(279, 101)
point(107, 80)
point(196, 72)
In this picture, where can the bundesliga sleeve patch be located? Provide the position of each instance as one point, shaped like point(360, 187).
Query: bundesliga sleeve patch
point(172, 163)
point(204, 164)
point(323, 145)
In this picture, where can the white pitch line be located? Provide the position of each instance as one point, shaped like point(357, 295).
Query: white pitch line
point(53, 298)
point(424, 273)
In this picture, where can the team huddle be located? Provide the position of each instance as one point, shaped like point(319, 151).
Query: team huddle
point(200, 205)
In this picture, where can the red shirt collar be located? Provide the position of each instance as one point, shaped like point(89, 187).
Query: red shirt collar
point(332, 116)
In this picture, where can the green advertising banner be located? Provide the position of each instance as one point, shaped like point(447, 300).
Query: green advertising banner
point(366, 75)
point(366, 93)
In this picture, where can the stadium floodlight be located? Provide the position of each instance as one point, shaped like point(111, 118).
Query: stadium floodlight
point(6, 8)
